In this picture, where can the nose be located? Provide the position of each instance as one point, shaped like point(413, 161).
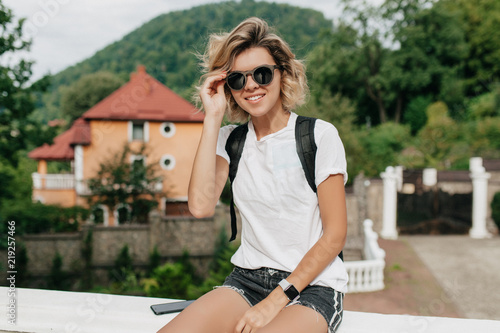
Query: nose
point(251, 84)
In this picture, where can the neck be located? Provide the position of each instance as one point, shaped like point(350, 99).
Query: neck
point(270, 123)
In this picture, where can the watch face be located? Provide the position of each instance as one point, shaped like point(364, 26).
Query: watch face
point(291, 293)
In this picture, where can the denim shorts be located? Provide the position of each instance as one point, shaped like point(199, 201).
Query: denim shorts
point(256, 284)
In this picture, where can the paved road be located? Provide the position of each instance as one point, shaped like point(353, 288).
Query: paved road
point(467, 269)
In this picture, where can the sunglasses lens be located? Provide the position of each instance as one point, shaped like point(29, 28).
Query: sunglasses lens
point(263, 75)
point(236, 81)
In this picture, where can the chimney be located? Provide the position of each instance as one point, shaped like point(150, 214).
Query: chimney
point(141, 70)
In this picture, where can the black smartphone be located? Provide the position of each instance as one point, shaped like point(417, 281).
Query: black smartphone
point(172, 307)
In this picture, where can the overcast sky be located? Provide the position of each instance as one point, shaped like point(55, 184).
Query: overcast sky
point(66, 32)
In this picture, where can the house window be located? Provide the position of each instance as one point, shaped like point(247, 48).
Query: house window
point(138, 165)
point(167, 129)
point(123, 214)
point(138, 160)
point(99, 215)
point(167, 162)
point(138, 131)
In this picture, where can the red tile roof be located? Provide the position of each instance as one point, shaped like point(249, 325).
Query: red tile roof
point(144, 98)
point(62, 148)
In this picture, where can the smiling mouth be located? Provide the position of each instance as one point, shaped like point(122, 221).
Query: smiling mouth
point(254, 98)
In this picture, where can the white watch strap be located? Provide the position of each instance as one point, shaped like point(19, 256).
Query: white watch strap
point(284, 284)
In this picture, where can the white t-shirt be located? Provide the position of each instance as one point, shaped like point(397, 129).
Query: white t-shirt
point(279, 211)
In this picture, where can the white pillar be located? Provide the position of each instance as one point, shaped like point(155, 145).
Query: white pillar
point(399, 171)
point(429, 177)
point(78, 169)
point(390, 178)
point(479, 198)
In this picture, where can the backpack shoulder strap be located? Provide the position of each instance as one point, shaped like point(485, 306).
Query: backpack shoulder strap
point(234, 148)
point(306, 147)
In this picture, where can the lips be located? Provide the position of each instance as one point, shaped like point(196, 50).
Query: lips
point(255, 98)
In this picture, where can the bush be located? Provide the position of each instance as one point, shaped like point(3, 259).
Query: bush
point(484, 137)
point(220, 267)
point(87, 278)
point(58, 279)
point(170, 281)
point(123, 266)
point(383, 145)
point(483, 106)
point(495, 209)
point(415, 115)
point(154, 260)
point(35, 218)
point(441, 140)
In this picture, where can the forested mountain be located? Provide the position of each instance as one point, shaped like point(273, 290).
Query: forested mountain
point(167, 45)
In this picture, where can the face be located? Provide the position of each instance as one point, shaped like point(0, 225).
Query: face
point(255, 99)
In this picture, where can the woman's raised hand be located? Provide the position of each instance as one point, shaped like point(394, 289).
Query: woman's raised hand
point(212, 95)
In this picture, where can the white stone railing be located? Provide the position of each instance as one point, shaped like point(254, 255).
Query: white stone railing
point(68, 181)
point(53, 181)
point(48, 311)
point(367, 275)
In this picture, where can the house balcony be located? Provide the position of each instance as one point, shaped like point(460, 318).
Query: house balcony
point(53, 181)
point(43, 311)
point(68, 182)
point(54, 189)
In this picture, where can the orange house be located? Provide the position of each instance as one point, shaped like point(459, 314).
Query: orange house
point(143, 111)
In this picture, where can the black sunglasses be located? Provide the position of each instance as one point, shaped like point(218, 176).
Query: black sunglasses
point(262, 75)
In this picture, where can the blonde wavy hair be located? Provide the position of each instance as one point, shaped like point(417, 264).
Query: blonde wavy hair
point(223, 48)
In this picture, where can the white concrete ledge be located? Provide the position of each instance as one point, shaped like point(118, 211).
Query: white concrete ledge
point(43, 311)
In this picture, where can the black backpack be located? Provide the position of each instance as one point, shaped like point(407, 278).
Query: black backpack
point(306, 149)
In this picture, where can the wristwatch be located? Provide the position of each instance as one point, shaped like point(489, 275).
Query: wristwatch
point(290, 291)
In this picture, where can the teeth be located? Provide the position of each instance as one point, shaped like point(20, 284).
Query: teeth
point(254, 98)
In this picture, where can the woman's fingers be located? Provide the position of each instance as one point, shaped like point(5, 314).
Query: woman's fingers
point(212, 94)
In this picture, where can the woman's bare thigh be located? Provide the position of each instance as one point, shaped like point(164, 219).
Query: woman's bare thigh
point(216, 312)
point(296, 319)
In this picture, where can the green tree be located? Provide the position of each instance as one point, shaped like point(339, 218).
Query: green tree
point(154, 260)
point(122, 266)
point(119, 182)
point(383, 145)
point(483, 137)
point(86, 92)
point(341, 112)
point(17, 97)
point(415, 115)
point(58, 279)
point(87, 278)
point(432, 50)
point(441, 140)
point(481, 21)
point(17, 131)
point(386, 56)
point(169, 280)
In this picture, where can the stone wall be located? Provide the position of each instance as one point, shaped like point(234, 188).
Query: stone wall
point(375, 203)
point(170, 235)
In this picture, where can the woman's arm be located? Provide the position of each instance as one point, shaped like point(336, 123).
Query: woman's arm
point(210, 171)
point(332, 205)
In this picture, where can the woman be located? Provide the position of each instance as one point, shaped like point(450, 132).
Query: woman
point(288, 276)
